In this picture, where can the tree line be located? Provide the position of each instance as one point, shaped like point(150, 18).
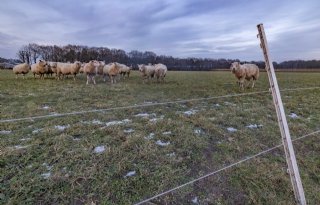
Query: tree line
point(32, 52)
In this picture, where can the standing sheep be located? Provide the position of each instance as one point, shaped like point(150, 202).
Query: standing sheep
point(21, 69)
point(147, 71)
point(160, 71)
point(111, 70)
point(245, 71)
point(68, 69)
point(39, 68)
point(90, 69)
point(124, 70)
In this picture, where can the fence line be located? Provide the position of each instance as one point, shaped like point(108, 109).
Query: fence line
point(147, 105)
point(224, 168)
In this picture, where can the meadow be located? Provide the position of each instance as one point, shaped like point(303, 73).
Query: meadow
point(123, 143)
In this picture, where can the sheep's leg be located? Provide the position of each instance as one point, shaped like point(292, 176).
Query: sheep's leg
point(16, 76)
point(88, 78)
point(24, 76)
point(253, 82)
point(74, 77)
point(94, 81)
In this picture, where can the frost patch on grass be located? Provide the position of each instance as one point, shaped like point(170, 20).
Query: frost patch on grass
point(190, 112)
point(145, 115)
point(21, 147)
point(293, 115)
point(172, 154)
point(254, 126)
point(198, 131)
point(229, 103)
point(37, 131)
point(112, 123)
point(130, 174)
point(130, 130)
point(157, 119)
point(25, 139)
point(167, 133)
point(61, 127)
point(216, 105)
point(195, 200)
point(150, 136)
point(161, 143)
point(94, 122)
point(46, 175)
point(99, 149)
point(45, 107)
point(5, 132)
point(231, 129)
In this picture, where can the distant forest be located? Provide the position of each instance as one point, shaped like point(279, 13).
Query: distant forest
point(32, 52)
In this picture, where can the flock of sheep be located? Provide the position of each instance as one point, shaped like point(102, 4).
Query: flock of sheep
point(92, 68)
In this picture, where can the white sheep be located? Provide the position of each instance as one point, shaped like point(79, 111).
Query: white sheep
point(39, 68)
point(124, 70)
point(68, 69)
point(245, 72)
point(90, 69)
point(147, 71)
point(111, 70)
point(22, 68)
point(160, 71)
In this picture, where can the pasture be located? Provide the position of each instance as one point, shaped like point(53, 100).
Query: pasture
point(131, 145)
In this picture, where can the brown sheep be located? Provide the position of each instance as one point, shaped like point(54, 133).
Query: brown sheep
point(245, 72)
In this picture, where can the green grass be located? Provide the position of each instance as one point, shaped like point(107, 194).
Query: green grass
point(80, 176)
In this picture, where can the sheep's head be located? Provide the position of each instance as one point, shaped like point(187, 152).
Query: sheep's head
point(141, 67)
point(234, 67)
point(42, 63)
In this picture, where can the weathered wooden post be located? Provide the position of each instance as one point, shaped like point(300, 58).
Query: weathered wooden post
point(282, 121)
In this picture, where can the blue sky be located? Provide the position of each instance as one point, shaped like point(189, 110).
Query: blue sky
point(181, 28)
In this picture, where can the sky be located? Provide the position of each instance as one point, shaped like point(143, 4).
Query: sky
point(180, 28)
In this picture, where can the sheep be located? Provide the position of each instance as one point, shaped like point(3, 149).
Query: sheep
point(147, 71)
point(245, 71)
point(68, 69)
point(111, 70)
point(52, 68)
point(90, 69)
point(22, 68)
point(124, 70)
point(39, 68)
point(160, 71)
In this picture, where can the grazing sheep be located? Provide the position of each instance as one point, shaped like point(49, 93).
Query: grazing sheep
point(160, 71)
point(147, 71)
point(99, 70)
point(90, 69)
point(68, 69)
point(39, 68)
point(22, 68)
point(124, 70)
point(111, 70)
point(245, 71)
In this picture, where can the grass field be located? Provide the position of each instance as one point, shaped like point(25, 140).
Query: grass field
point(122, 156)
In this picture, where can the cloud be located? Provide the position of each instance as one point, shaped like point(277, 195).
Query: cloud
point(183, 28)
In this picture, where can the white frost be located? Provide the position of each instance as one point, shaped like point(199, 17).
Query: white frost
point(99, 149)
point(20, 146)
point(117, 122)
point(293, 115)
point(190, 112)
point(61, 127)
point(130, 174)
point(5, 132)
point(149, 137)
point(46, 107)
point(128, 130)
point(167, 133)
point(161, 143)
point(254, 126)
point(46, 175)
point(231, 129)
point(36, 131)
point(195, 200)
